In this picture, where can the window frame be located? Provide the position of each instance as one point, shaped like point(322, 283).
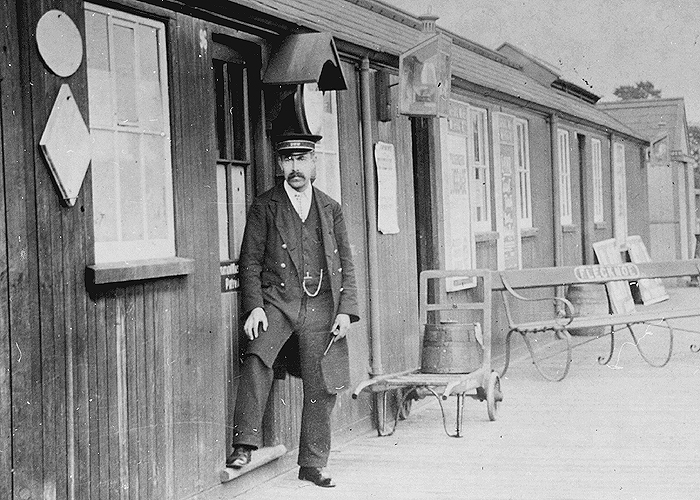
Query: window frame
point(480, 166)
point(620, 214)
point(597, 178)
point(146, 251)
point(564, 159)
point(234, 163)
point(524, 173)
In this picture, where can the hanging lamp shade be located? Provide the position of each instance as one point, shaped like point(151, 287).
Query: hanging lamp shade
point(306, 58)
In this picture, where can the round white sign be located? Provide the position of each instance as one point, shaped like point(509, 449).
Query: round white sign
point(59, 42)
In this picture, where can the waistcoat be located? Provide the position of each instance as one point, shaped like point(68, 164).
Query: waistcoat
point(313, 254)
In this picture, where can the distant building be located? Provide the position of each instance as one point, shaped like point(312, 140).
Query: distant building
point(672, 210)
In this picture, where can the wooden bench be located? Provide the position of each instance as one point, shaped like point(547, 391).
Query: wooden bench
point(512, 282)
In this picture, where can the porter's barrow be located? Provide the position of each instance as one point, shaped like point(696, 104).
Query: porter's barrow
point(478, 381)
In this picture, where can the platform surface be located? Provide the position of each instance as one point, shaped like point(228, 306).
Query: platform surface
point(622, 431)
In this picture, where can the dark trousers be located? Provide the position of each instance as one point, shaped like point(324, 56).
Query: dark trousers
point(313, 329)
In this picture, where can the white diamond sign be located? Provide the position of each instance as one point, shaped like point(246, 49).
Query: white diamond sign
point(66, 145)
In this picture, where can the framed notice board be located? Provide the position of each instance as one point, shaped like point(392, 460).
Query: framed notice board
point(456, 216)
point(651, 290)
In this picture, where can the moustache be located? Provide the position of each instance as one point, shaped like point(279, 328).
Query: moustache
point(296, 174)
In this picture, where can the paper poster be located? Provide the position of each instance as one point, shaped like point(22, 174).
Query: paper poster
point(456, 213)
point(508, 227)
point(387, 216)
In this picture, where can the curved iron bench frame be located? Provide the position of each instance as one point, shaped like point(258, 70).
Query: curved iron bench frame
point(510, 282)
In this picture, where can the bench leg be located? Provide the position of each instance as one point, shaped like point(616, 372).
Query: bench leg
point(507, 361)
point(556, 378)
point(601, 359)
point(670, 345)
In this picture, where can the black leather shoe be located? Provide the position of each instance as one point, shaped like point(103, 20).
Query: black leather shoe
point(316, 476)
point(239, 457)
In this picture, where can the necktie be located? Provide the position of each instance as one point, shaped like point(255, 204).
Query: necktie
point(298, 205)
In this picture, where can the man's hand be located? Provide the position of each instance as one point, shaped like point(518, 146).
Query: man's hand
point(340, 326)
point(255, 318)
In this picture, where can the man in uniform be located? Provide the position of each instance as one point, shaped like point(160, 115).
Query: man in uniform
point(297, 279)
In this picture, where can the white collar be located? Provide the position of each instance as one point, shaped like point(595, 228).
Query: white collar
point(291, 192)
point(305, 197)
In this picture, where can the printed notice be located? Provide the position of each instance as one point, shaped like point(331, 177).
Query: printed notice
point(387, 216)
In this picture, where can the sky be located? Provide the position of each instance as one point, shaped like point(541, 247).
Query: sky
point(596, 44)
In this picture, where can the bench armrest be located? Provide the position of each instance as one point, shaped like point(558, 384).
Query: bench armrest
point(568, 311)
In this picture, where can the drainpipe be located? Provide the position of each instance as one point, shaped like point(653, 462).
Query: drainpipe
point(556, 194)
point(373, 322)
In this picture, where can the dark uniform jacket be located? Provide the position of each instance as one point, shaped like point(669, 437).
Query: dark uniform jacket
point(271, 262)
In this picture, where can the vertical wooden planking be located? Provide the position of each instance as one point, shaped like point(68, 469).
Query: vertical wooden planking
point(541, 183)
point(352, 183)
point(184, 206)
point(353, 197)
point(56, 279)
point(103, 397)
point(95, 424)
point(120, 403)
point(170, 326)
point(398, 252)
point(229, 328)
point(149, 400)
point(26, 358)
point(190, 452)
point(113, 376)
point(11, 137)
point(74, 305)
point(201, 344)
point(139, 412)
point(132, 397)
point(162, 405)
point(211, 353)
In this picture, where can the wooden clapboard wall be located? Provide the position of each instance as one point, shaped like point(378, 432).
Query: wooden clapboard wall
point(115, 392)
point(398, 260)
point(49, 309)
point(13, 241)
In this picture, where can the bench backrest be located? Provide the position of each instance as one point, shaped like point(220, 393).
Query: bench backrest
point(556, 276)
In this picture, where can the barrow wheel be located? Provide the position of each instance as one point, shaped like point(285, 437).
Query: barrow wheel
point(494, 396)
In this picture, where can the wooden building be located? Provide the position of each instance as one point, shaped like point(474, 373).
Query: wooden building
point(120, 331)
point(672, 209)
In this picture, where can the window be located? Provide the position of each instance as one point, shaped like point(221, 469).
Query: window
point(620, 194)
point(564, 178)
point(233, 148)
point(130, 129)
point(522, 152)
point(478, 143)
point(660, 150)
point(596, 162)
point(322, 114)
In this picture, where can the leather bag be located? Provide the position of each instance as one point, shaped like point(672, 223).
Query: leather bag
point(335, 365)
